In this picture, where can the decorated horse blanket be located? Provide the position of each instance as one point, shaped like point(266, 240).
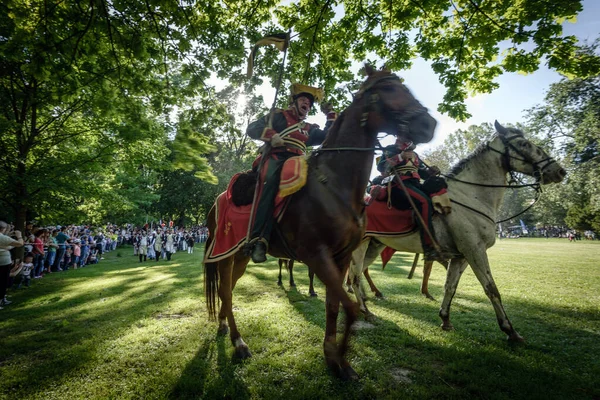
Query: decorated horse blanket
point(390, 222)
point(232, 220)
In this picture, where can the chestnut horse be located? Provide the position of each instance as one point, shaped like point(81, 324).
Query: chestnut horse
point(476, 185)
point(325, 220)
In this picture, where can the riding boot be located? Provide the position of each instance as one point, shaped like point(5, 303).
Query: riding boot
point(144, 257)
point(259, 252)
point(140, 258)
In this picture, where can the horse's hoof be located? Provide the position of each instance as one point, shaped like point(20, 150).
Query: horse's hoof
point(279, 283)
point(223, 330)
point(515, 338)
point(313, 294)
point(427, 295)
point(350, 290)
point(379, 295)
point(447, 326)
point(348, 374)
point(292, 285)
point(242, 352)
point(370, 317)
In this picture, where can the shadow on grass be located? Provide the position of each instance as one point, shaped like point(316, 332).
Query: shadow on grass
point(200, 380)
point(46, 326)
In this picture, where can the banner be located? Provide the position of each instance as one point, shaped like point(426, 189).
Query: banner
point(279, 40)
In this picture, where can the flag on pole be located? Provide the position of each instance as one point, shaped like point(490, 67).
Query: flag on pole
point(279, 40)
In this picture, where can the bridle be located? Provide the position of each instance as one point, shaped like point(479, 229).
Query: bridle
point(375, 104)
point(539, 167)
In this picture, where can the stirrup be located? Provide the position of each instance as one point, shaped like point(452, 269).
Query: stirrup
point(259, 252)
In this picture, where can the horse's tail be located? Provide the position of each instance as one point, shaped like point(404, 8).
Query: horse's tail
point(211, 288)
point(211, 270)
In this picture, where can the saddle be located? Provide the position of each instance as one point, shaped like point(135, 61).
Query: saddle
point(434, 186)
point(233, 207)
point(293, 178)
point(385, 220)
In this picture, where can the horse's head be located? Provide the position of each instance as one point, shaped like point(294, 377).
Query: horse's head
point(521, 155)
point(391, 108)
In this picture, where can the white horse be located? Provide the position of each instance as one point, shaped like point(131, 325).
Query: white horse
point(476, 186)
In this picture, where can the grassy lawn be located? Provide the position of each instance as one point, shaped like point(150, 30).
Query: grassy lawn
point(123, 329)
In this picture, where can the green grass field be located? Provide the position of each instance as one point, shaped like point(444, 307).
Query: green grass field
point(125, 330)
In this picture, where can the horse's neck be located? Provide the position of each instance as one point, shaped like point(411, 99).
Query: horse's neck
point(350, 168)
point(485, 169)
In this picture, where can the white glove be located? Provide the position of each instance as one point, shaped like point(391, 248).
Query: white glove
point(277, 141)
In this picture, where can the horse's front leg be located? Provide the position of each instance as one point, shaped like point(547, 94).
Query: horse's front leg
point(455, 270)
point(481, 266)
point(329, 273)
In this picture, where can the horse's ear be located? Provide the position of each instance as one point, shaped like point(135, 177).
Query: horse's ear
point(369, 70)
point(499, 128)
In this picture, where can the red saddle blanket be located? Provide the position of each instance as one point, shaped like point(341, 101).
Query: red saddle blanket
point(231, 230)
point(232, 221)
point(384, 221)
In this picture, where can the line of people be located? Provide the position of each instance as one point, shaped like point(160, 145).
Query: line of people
point(162, 242)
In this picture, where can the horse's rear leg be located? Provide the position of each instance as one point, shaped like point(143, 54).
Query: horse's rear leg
point(480, 265)
point(427, 267)
point(290, 268)
point(414, 266)
point(374, 289)
point(311, 278)
point(280, 280)
point(455, 270)
point(230, 271)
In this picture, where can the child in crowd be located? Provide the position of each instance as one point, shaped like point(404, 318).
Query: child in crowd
point(26, 271)
point(67, 258)
point(93, 257)
point(76, 253)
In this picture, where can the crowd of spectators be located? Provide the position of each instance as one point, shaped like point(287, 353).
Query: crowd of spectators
point(51, 249)
point(548, 232)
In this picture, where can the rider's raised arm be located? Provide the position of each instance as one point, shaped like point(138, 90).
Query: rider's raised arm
point(316, 135)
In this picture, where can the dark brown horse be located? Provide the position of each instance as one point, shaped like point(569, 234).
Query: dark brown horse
point(325, 220)
point(289, 265)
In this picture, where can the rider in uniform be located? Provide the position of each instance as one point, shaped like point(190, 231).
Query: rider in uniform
point(287, 136)
point(405, 164)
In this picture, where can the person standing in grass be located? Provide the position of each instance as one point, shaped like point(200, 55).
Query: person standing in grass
point(143, 246)
point(26, 271)
point(190, 242)
point(38, 253)
point(151, 242)
point(61, 240)
point(8, 240)
point(170, 246)
point(158, 245)
point(52, 247)
point(76, 253)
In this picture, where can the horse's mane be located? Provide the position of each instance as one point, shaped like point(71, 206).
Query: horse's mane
point(480, 149)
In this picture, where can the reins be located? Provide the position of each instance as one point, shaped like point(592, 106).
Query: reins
point(506, 163)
